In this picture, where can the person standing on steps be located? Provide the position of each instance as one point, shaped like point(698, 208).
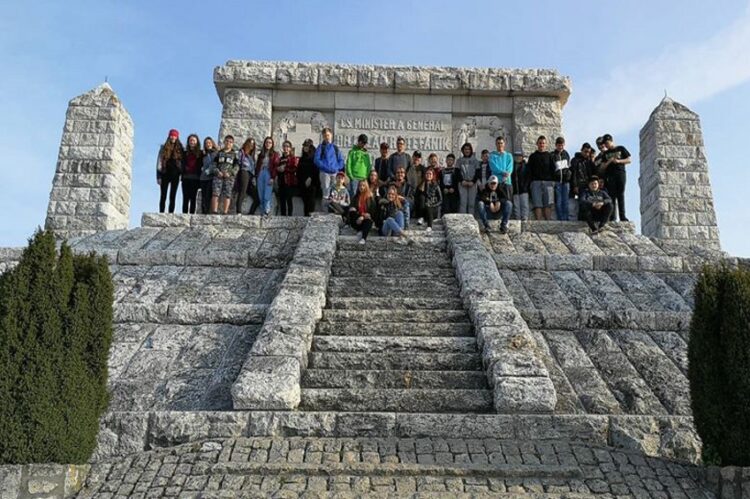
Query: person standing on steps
point(450, 181)
point(615, 159)
point(399, 158)
point(329, 160)
point(520, 184)
point(191, 171)
point(467, 165)
point(581, 168)
point(601, 170)
point(561, 158)
point(168, 165)
point(207, 176)
point(226, 164)
point(595, 206)
point(266, 166)
point(245, 176)
point(358, 164)
point(494, 203)
point(483, 173)
point(541, 170)
point(363, 212)
point(414, 176)
point(501, 166)
point(429, 198)
point(381, 164)
point(287, 179)
point(404, 192)
point(308, 177)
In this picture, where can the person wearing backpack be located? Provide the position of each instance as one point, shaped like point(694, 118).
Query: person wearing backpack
point(329, 161)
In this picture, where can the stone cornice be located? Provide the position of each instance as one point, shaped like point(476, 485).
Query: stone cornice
point(394, 79)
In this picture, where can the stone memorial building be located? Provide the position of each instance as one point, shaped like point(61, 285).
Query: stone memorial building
point(436, 109)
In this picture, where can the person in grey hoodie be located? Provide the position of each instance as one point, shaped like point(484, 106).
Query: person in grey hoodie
point(207, 176)
point(467, 164)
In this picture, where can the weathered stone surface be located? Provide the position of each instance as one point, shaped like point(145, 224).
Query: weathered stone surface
point(267, 383)
point(524, 394)
point(91, 186)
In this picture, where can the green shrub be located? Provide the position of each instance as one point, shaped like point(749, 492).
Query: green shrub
point(55, 333)
point(719, 365)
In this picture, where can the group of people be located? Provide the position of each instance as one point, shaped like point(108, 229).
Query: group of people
point(397, 187)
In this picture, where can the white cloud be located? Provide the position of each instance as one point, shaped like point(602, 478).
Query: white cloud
point(623, 100)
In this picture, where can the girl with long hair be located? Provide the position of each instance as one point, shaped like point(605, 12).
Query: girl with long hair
point(430, 198)
point(191, 171)
point(286, 179)
point(265, 173)
point(244, 176)
point(392, 215)
point(207, 173)
point(308, 177)
point(168, 169)
point(363, 212)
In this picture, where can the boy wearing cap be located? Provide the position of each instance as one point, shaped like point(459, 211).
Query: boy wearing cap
point(494, 203)
point(358, 164)
point(338, 197)
point(615, 159)
point(226, 165)
point(595, 206)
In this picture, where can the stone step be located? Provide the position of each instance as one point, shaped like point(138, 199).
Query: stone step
point(420, 316)
point(381, 344)
point(419, 243)
point(327, 378)
point(371, 268)
point(397, 303)
point(395, 329)
point(435, 401)
point(400, 281)
point(395, 361)
point(393, 259)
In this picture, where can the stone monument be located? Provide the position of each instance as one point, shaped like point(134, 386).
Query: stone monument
point(677, 204)
point(91, 187)
point(436, 109)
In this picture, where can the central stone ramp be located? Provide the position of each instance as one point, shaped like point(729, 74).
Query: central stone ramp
point(394, 336)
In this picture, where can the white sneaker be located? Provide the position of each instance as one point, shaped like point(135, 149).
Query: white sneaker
point(362, 241)
point(420, 221)
point(429, 229)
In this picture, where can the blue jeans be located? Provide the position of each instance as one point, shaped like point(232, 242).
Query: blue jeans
point(265, 191)
point(393, 225)
point(562, 191)
point(485, 214)
point(406, 210)
point(352, 187)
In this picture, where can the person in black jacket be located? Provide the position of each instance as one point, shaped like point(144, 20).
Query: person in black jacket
point(520, 181)
point(561, 159)
point(363, 212)
point(494, 203)
point(381, 164)
point(615, 160)
point(308, 177)
point(541, 170)
point(581, 168)
point(450, 180)
point(169, 169)
point(429, 198)
point(596, 206)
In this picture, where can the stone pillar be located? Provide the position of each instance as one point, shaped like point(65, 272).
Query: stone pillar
point(91, 188)
point(535, 116)
point(676, 200)
point(246, 113)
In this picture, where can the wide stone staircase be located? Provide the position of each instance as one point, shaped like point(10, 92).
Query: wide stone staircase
point(394, 335)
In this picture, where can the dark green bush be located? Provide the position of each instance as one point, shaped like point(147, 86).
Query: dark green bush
point(55, 333)
point(719, 365)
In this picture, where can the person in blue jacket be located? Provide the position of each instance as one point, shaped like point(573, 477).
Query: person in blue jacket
point(501, 166)
point(329, 160)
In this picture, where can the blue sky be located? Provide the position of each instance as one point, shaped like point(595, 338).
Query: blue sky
point(159, 58)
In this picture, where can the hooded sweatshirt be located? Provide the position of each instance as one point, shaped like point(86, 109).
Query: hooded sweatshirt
point(501, 165)
point(328, 158)
point(358, 164)
point(468, 166)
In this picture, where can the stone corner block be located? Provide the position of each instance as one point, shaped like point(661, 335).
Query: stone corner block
point(270, 383)
point(519, 395)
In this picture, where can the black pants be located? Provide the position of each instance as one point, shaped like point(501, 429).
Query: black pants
point(206, 193)
point(451, 203)
point(616, 189)
point(593, 217)
point(285, 196)
point(168, 182)
point(240, 187)
point(424, 211)
point(308, 199)
point(190, 188)
point(363, 227)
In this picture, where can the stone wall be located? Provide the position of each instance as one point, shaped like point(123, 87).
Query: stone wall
point(729, 482)
point(436, 109)
point(30, 481)
point(676, 200)
point(91, 187)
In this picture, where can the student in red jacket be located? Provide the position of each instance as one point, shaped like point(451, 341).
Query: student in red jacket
point(286, 178)
point(266, 166)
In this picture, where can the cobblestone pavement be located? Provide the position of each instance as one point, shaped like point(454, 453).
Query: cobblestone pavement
point(338, 467)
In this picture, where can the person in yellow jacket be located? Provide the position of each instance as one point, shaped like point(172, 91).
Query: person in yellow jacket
point(358, 164)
